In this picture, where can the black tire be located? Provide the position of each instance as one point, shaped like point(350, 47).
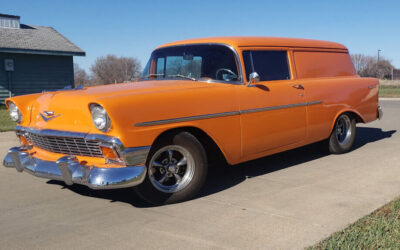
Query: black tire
point(150, 191)
point(343, 134)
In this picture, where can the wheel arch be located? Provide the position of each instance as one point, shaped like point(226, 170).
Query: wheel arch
point(213, 150)
point(352, 112)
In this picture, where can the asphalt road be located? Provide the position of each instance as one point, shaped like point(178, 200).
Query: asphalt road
point(289, 200)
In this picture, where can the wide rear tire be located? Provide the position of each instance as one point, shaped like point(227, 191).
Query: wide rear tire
point(343, 134)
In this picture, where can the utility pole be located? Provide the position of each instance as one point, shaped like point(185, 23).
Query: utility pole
point(378, 54)
point(377, 65)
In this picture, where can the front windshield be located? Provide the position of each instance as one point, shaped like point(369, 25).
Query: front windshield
point(192, 62)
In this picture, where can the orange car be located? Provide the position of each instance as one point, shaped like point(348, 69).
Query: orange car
point(238, 97)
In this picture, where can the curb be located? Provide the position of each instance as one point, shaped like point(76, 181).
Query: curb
point(389, 98)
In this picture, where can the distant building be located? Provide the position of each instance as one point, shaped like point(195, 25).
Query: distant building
point(33, 58)
point(396, 74)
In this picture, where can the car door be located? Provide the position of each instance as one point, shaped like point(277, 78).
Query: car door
point(273, 111)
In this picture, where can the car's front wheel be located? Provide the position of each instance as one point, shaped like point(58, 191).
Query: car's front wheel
point(176, 170)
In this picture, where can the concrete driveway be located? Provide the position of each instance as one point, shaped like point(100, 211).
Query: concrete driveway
point(289, 200)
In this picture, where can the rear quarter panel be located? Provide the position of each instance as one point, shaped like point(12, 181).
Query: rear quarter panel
point(338, 95)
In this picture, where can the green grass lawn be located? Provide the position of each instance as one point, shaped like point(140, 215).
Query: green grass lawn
point(5, 122)
point(389, 91)
point(379, 230)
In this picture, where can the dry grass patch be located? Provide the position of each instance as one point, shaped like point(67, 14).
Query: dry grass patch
point(389, 82)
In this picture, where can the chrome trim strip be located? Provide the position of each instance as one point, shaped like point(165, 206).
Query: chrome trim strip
point(239, 65)
point(50, 132)
point(313, 103)
point(60, 133)
point(279, 107)
point(208, 116)
point(184, 119)
point(301, 104)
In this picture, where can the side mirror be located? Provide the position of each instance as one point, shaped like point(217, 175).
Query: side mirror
point(254, 78)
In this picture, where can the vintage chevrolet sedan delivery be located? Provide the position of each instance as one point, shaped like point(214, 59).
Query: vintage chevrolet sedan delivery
point(238, 97)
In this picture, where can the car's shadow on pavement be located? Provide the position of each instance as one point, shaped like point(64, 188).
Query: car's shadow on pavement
point(222, 177)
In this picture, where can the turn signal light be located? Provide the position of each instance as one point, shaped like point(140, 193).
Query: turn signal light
point(23, 140)
point(109, 153)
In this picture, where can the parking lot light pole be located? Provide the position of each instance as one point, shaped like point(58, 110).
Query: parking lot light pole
point(377, 65)
point(378, 54)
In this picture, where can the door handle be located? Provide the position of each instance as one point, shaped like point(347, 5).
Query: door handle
point(298, 86)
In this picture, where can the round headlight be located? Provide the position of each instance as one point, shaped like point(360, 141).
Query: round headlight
point(100, 118)
point(15, 114)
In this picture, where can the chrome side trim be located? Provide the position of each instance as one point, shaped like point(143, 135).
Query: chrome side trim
point(279, 107)
point(313, 103)
point(208, 116)
point(184, 119)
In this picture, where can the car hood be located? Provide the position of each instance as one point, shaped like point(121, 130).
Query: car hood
point(134, 88)
point(71, 107)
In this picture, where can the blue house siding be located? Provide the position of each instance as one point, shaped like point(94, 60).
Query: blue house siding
point(3, 85)
point(35, 73)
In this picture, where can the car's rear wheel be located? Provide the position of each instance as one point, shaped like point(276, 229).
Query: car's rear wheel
point(176, 170)
point(343, 134)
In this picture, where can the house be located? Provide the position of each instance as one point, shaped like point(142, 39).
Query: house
point(33, 58)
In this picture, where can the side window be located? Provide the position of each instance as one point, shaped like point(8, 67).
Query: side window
point(270, 65)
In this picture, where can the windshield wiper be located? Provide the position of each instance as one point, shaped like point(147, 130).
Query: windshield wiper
point(177, 75)
point(149, 75)
point(182, 76)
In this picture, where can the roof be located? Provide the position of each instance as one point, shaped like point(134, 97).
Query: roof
point(10, 16)
point(253, 41)
point(37, 40)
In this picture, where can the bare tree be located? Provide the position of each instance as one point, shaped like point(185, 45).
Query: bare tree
point(381, 69)
point(80, 76)
point(361, 61)
point(368, 66)
point(113, 69)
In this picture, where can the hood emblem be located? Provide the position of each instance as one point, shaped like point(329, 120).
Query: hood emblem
point(48, 115)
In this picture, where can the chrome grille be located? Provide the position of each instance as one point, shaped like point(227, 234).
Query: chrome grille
point(66, 145)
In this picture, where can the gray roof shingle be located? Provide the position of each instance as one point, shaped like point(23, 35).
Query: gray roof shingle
point(37, 40)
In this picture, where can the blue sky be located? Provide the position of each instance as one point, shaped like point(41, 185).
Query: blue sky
point(135, 28)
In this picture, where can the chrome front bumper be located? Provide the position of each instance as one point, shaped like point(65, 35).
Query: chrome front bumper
point(69, 170)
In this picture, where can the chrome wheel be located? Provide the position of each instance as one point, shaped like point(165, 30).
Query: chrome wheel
point(343, 129)
point(171, 169)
